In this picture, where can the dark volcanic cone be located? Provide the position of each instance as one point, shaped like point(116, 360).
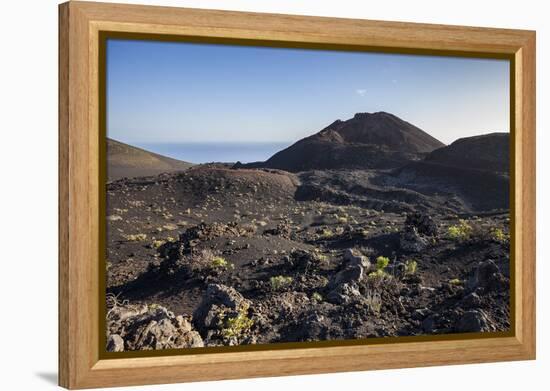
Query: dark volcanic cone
point(488, 152)
point(474, 169)
point(377, 140)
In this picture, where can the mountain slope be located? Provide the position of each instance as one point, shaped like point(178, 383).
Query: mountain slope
point(472, 169)
point(124, 160)
point(489, 152)
point(377, 140)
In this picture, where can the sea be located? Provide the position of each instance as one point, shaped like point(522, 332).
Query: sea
point(219, 152)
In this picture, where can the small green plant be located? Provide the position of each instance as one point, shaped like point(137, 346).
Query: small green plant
point(316, 296)
point(158, 243)
point(209, 261)
point(374, 301)
point(382, 262)
point(343, 220)
point(135, 238)
point(280, 282)
point(339, 230)
point(321, 257)
point(326, 233)
point(410, 266)
point(378, 274)
point(499, 235)
point(460, 232)
point(455, 281)
point(219, 263)
point(235, 327)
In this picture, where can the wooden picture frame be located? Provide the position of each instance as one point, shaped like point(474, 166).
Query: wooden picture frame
point(81, 364)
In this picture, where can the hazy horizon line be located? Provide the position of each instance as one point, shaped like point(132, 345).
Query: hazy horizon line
point(225, 141)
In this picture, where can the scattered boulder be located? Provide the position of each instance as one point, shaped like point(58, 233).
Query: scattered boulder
point(226, 296)
point(283, 230)
point(304, 260)
point(344, 293)
point(423, 223)
point(411, 241)
point(471, 300)
point(148, 328)
point(354, 269)
point(420, 313)
point(428, 324)
point(473, 321)
point(350, 274)
point(192, 236)
point(115, 343)
point(354, 258)
point(223, 316)
point(487, 275)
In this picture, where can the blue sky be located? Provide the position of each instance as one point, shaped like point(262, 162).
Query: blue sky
point(183, 92)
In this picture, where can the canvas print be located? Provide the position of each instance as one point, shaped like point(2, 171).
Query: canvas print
point(263, 195)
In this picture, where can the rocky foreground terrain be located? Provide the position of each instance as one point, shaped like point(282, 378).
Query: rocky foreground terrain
point(223, 254)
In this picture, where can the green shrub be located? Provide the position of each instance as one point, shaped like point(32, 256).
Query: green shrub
point(316, 296)
point(455, 281)
point(220, 263)
point(208, 261)
point(462, 231)
point(327, 233)
point(280, 282)
point(378, 274)
point(410, 266)
point(235, 327)
point(158, 243)
point(499, 235)
point(382, 263)
point(135, 238)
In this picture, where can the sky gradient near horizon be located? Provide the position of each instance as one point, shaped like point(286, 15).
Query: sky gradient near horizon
point(161, 92)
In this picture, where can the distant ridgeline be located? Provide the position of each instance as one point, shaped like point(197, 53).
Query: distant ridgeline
point(474, 170)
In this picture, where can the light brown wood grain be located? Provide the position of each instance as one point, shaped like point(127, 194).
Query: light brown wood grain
point(80, 365)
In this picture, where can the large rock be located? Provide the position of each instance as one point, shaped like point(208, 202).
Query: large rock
point(115, 343)
point(355, 258)
point(344, 294)
point(471, 300)
point(149, 328)
point(423, 223)
point(411, 241)
point(218, 302)
point(354, 269)
point(224, 295)
point(487, 275)
point(350, 274)
point(473, 321)
point(303, 260)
